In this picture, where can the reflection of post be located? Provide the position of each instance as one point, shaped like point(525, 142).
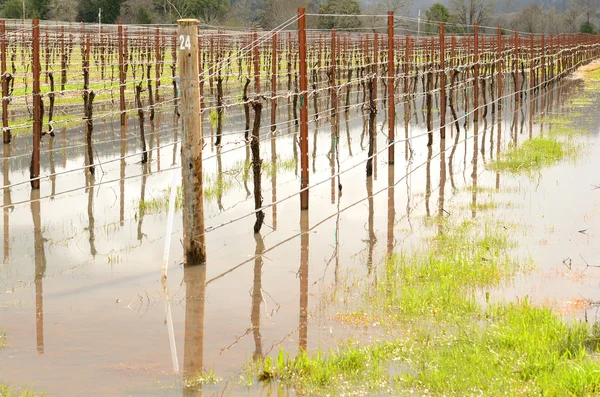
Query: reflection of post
point(122, 180)
point(428, 181)
point(257, 297)
point(140, 235)
point(90, 182)
point(442, 183)
point(219, 179)
point(474, 174)
point(40, 268)
point(52, 167)
point(193, 348)
point(391, 211)
point(371, 239)
point(304, 240)
point(274, 179)
point(7, 202)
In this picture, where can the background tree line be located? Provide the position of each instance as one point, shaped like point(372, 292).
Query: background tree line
point(566, 16)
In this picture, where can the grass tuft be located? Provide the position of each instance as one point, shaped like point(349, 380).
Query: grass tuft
point(451, 343)
point(201, 378)
point(7, 391)
point(532, 155)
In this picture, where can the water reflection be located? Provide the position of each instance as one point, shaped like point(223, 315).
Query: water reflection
point(303, 275)
point(193, 348)
point(122, 174)
point(7, 201)
point(391, 211)
point(140, 219)
point(371, 237)
point(442, 182)
point(257, 296)
point(40, 267)
point(474, 173)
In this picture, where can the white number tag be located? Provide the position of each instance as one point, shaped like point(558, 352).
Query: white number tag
point(184, 42)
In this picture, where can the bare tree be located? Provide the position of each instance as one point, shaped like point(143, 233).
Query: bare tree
point(553, 21)
point(528, 19)
point(62, 10)
point(277, 12)
point(469, 12)
point(572, 16)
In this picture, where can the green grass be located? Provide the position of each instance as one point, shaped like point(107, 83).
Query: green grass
point(214, 186)
point(2, 339)
point(452, 342)
point(7, 391)
point(533, 155)
point(196, 381)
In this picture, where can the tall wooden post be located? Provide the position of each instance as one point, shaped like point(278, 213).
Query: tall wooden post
point(303, 110)
point(390, 89)
point(121, 75)
point(6, 131)
point(442, 83)
point(256, 63)
point(191, 146)
point(375, 65)
point(499, 67)
point(37, 106)
point(531, 62)
point(334, 55)
point(517, 94)
point(273, 80)
point(158, 65)
point(476, 73)
point(63, 60)
point(543, 59)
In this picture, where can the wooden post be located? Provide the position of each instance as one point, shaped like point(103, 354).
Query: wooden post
point(334, 55)
point(375, 65)
point(303, 110)
point(191, 146)
point(37, 106)
point(256, 63)
point(390, 89)
point(516, 66)
point(442, 83)
point(6, 131)
point(476, 73)
point(121, 75)
point(531, 64)
point(63, 60)
point(273, 81)
point(543, 59)
point(499, 67)
point(158, 65)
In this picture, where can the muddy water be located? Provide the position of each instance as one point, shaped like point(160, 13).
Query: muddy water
point(81, 298)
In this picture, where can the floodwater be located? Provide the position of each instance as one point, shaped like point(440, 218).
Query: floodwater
point(81, 298)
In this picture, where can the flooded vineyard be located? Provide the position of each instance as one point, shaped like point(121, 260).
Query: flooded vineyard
point(87, 235)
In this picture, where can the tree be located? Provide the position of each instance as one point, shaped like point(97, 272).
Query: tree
point(469, 12)
point(246, 13)
point(588, 28)
point(62, 10)
point(436, 14)
point(208, 11)
point(529, 18)
point(340, 7)
point(572, 17)
point(12, 9)
point(588, 9)
point(398, 6)
point(38, 9)
point(89, 9)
